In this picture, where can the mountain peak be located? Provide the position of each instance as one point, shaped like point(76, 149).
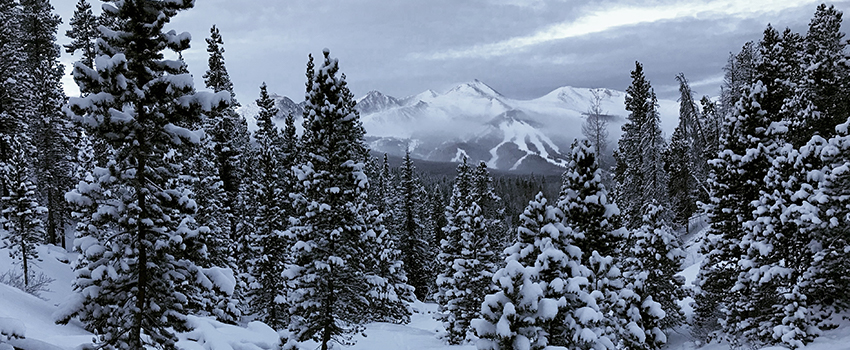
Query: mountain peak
point(475, 87)
point(376, 101)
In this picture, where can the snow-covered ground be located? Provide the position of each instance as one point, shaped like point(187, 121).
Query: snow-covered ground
point(27, 315)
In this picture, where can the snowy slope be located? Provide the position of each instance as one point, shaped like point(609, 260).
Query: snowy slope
point(24, 313)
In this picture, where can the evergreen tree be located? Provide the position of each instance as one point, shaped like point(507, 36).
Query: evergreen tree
point(142, 226)
point(414, 241)
point(332, 275)
point(828, 272)
point(12, 102)
point(686, 158)
point(653, 259)
point(640, 147)
point(230, 135)
point(49, 127)
point(24, 225)
point(267, 240)
point(83, 33)
point(775, 275)
point(681, 189)
point(437, 214)
point(739, 74)
point(466, 261)
point(491, 205)
point(826, 79)
point(212, 247)
point(508, 316)
point(566, 314)
point(737, 175)
point(597, 235)
point(585, 203)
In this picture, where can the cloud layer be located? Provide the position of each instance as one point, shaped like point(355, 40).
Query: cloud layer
point(523, 48)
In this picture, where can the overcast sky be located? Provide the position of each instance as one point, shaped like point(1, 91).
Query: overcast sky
point(521, 48)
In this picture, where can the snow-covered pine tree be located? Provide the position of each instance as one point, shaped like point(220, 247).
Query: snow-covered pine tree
point(686, 157)
point(779, 252)
point(682, 189)
point(466, 261)
point(12, 103)
point(585, 203)
point(829, 273)
point(544, 244)
point(654, 257)
point(739, 73)
point(414, 240)
point(382, 191)
point(212, 247)
point(597, 234)
point(334, 231)
point(826, 78)
point(21, 208)
point(230, 135)
point(777, 68)
point(267, 242)
point(491, 205)
point(640, 150)
point(508, 316)
point(514, 316)
point(83, 33)
point(84, 162)
point(49, 127)
point(137, 100)
point(737, 176)
point(437, 215)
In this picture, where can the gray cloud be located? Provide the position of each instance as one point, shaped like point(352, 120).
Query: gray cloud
point(405, 47)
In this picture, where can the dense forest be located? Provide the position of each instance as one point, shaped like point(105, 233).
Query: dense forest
point(176, 209)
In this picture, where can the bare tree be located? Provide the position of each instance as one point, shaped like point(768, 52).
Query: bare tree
point(595, 127)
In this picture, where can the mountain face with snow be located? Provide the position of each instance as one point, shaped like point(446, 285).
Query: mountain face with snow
point(473, 120)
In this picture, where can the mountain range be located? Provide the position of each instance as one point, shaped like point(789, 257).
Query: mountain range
point(473, 120)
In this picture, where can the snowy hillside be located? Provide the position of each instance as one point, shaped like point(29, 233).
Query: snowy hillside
point(474, 120)
point(31, 317)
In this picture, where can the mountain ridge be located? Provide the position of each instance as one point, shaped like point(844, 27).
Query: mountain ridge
point(472, 119)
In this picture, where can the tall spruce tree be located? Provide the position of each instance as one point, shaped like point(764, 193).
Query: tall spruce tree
point(466, 259)
point(681, 189)
point(831, 263)
point(267, 240)
point(21, 208)
point(517, 297)
point(653, 259)
point(586, 206)
point(49, 127)
point(229, 132)
point(414, 241)
point(12, 78)
point(142, 226)
point(826, 79)
point(640, 150)
point(739, 73)
point(83, 33)
point(596, 232)
point(737, 176)
point(333, 273)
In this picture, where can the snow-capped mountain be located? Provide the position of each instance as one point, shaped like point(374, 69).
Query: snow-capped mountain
point(474, 120)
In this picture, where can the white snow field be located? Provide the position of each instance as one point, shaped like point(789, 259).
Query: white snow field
point(28, 320)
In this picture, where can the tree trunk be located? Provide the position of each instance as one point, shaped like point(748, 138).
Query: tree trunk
point(141, 286)
point(24, 252)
